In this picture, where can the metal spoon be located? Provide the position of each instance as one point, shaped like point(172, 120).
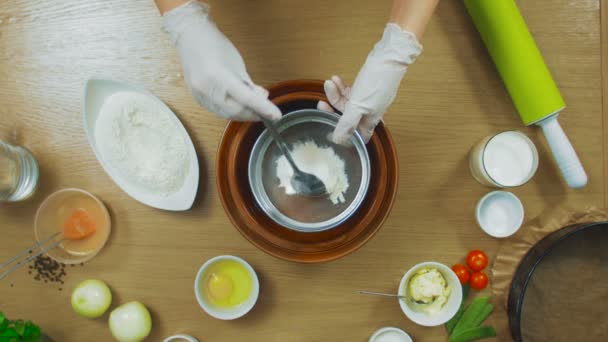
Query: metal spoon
point(304, 183)
point(391, 295)
point(381, 294)
point(45, 246)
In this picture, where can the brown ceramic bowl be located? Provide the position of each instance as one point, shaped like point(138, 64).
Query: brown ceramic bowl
point(242, 209)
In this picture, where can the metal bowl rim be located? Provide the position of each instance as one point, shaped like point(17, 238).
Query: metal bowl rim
point(259, 193)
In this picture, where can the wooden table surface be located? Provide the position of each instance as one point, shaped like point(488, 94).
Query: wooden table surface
point(450, 99)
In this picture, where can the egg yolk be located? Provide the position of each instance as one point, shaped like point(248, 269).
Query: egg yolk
point(79, 225)
point(220, 286)
point(227, 284)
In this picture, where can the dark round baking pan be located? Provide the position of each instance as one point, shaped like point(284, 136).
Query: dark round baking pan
point(560, 288)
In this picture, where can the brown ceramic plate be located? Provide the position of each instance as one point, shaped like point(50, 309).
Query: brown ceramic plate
point(242, 209)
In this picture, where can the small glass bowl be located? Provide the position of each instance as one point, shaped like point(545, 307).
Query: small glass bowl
point(56, 209)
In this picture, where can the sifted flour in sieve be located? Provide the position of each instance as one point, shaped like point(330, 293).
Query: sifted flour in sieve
point(136, 136)
point(322, 162)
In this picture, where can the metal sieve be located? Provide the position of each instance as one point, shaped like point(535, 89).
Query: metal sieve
point(307, 214)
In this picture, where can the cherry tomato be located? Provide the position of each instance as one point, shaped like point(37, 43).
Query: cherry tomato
point(477, 260)
point(462, 272)
point(479, 280)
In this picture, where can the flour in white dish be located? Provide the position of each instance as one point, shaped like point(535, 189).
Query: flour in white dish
point(137, 137)
point(322, 162)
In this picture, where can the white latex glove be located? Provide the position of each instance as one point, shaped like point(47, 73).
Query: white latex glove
point(375, 87)
point(213, 68)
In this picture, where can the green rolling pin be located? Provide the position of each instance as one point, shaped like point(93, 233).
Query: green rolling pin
point(526, 77)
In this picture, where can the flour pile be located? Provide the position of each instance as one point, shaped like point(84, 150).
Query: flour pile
point(137, 137)
point(322, 162)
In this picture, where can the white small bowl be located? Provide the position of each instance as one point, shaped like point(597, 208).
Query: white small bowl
point(449, 309)
point(232, 313)
point(500, 214)
point(179, 338)
point(404, 336)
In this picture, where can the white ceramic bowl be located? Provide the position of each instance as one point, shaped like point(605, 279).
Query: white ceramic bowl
point(449, 309)
point(232, 313)
point(180, 338)
point(500, 214)
point(403, 335)
point(96, 92)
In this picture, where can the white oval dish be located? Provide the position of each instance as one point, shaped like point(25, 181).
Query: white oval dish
point(402, 334)
point(232, 313)
point(449, 309)
point(96, 92)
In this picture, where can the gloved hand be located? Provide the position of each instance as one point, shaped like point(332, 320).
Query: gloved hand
point(375, 87)
point(213, 68)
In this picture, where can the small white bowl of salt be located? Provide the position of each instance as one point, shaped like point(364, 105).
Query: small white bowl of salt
point(390, 334)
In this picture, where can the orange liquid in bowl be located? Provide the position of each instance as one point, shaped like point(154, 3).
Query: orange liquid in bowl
point(61, 209)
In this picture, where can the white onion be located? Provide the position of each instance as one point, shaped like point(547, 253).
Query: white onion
point(91, 298)
point(130, 322)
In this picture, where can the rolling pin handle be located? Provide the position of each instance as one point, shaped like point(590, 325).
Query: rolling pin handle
point(568, 162)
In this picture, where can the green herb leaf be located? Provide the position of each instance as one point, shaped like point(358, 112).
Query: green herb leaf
point(18, 331)
point(483, 315)
point(36, 332)
point(33, 339)
point(19, 326)
point(470, 315)
point(473, 334)
point(28, 328)
point(3, 322)
point(451, 324)
point(32, 332)
point(9, 332)
point(465, 292)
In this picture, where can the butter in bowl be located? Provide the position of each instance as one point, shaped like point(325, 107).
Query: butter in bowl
point(431, 294)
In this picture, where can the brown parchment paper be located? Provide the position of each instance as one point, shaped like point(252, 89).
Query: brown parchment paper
point(515, 248)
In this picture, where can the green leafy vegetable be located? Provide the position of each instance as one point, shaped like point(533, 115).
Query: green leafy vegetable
point(471, 314)
point(18, 330)
point(465, 326)
point(483, 315)
point(473, 334)
point(19, 327)
point(9, 333)
point(451, 324)
point(465, 292)
point(3, 322)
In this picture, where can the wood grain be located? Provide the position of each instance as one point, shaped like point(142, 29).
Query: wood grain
point(604, 44)
point(450, 99)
